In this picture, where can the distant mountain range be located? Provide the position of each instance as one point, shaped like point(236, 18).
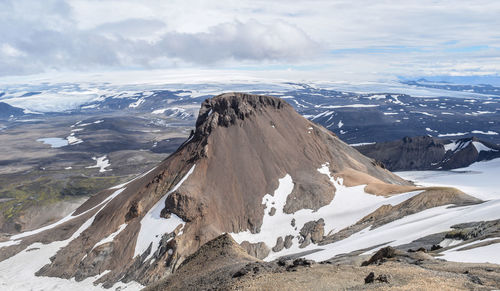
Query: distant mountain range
point(485, 89)
point(9, 112)
point(429, 153)
point(413, 109)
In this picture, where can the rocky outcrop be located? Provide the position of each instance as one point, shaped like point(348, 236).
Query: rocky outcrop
point(429, 153)
point(288, 241)
point(307, 194)
point(429, 198)
point(380, 255)
point(280, 244)
point(258, 250)
point(314, 230)
point(226, 109)
point(472, 230)
point(210, 267)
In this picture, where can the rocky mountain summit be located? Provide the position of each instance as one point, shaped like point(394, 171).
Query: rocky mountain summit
point(281, 185)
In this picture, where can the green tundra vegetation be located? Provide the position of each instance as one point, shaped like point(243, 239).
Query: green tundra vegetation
point(38, 188)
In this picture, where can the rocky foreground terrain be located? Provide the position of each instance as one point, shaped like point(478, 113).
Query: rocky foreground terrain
point(222, 264)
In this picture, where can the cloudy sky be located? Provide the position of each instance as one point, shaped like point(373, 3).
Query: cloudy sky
point(329, 39)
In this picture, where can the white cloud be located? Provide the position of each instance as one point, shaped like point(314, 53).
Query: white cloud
point(413, 37)
point(239, 41)
point(10, 51)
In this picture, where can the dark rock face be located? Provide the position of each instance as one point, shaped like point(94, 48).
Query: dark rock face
point(410, 153)
point(133, 211)
point(288, 241)
point(305, 241)
point(428, 153)
point(280, 244)
point(370, 278)
point(470, 230)
point(314, 229)
point(255, 268)
point(185, 206)
point(96, 262)
point(225, 109)
point(297, 263)
point(309, 195)
point(383, 253)
point(436, 247)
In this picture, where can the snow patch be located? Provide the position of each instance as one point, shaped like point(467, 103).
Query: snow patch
point(489, 132)
point(346, 106)
point(452, 134)
point(126, 183)
point(423, 113)
point(137, 103)
point(376, 97)
point(361, 144)
point(479, 179)
point(477, 113)
point(72, 139)
point(159, 111)
point(153, 226)
point(348, 206)
point(484, 254)
point(18, 272)
point(111, 237)
point(396, 100)
point(448, 242)
point(481, 147)
point(323, 114)
point(102, 163)
point(91, 106)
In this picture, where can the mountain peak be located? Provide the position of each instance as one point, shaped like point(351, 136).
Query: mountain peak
point(226, 109)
